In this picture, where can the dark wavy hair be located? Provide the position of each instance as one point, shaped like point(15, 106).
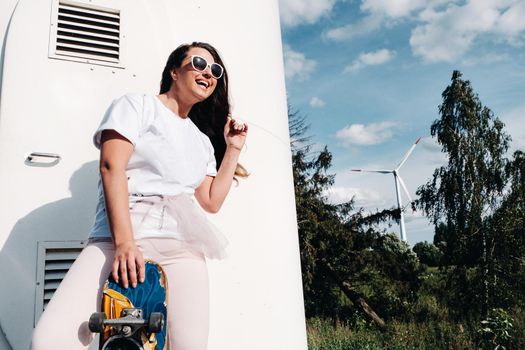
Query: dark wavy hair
point(209, 115)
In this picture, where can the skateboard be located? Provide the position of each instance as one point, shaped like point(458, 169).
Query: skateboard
point(133, 318)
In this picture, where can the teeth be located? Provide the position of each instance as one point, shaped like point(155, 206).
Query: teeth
point(203, 83)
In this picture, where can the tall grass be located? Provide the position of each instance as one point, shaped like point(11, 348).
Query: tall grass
point(424, 323)
point(325, 334)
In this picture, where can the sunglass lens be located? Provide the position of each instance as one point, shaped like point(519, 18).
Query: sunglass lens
point(199, 63)
point(216, 70)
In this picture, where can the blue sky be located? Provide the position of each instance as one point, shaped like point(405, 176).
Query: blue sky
point(369, 74)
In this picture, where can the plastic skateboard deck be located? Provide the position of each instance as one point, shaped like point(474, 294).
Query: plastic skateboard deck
point(134, 318)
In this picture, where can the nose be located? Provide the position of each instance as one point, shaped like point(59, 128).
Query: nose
point(207, 72)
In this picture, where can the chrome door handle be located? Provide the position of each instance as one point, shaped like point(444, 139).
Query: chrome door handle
point(48, 159)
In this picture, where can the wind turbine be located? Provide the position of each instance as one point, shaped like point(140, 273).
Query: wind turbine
point(398, 180)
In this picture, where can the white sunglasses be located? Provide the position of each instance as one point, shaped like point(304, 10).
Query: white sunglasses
point(200, 64)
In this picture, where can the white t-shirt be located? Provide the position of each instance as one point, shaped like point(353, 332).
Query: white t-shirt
point(171, 155)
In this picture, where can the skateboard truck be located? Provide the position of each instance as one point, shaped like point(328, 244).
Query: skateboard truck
point(124, 327)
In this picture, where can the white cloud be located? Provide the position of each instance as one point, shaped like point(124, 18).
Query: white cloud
point(316, 102)
point(363, 197)
point(371, 134)
point(511, 21)
point(370, 59)
point(296, 65)
point(444, 30)
point(446, 35)
point(393, 9)
point(296, 12)
point(378, 14)
point(366, 25)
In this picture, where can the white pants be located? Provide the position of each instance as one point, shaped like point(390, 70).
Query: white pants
point(64, 323)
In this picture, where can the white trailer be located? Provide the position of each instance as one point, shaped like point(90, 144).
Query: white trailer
point(61, 64)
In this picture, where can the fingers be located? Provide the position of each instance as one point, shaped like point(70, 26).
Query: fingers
point(237, 125)
point(119, 271)
point(115, 270)
point(141, 268)
point(132, 272)
point(128, 268)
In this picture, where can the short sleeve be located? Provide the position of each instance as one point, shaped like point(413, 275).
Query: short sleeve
point(124, 116)
point(211, 167)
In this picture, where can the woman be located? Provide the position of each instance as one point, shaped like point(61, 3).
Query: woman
point(153, 158)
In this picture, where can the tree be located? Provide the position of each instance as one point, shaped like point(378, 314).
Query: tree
point(345, 261)
point(428, 253)
point(466, 191)
point(507, 227)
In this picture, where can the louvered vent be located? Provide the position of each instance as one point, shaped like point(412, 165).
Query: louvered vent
point(87, 32)
point(54, 261)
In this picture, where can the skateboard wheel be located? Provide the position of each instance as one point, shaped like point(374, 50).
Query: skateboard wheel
point(120, 342)
point(156, 322)
point(96, 322)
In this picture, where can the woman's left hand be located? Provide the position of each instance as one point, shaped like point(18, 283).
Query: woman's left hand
point(235, 133)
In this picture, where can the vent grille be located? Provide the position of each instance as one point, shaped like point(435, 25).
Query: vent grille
point(54, 261)
point(87, 32)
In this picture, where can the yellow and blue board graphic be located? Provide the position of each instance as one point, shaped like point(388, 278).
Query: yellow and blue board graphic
point(150, 296)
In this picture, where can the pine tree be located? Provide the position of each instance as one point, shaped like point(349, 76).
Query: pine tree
point(347, 263)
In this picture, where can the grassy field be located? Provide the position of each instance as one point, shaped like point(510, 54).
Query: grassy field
point(325, 334)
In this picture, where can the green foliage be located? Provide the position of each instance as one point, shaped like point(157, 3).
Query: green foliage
point(431, 334)
point(336, 239)
point(432, 297)
point(428, 253)
point(495, 331)
point(464, 193)
point(324, 335)
point(507, 227)
point(440, 238)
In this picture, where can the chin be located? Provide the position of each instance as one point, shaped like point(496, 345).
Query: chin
point(201, 96)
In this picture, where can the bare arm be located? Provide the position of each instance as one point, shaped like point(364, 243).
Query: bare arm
point(115, 152)
point(212, 192)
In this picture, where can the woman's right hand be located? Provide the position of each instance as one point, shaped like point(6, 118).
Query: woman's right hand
point(128, 264)
point(115, 152)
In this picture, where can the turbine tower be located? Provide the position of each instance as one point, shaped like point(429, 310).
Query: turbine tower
point(397, 180)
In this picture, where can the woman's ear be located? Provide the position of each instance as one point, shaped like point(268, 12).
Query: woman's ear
point(173, 75)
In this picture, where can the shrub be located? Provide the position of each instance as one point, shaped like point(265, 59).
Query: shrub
point(495, 332)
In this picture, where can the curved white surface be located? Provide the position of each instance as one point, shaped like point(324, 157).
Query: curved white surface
point(50, 105)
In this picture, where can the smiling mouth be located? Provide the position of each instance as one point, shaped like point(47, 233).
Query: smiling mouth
point(202, 83)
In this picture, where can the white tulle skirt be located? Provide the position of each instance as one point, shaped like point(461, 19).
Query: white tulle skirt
point(177, 217)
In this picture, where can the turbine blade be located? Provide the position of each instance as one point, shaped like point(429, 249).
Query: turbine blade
point(405, 188)
point(405, 157)
point(374, 171)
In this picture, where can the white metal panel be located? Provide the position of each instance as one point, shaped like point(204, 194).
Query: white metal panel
point(6, 10)
point(53, 106)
